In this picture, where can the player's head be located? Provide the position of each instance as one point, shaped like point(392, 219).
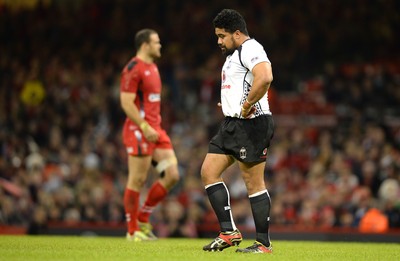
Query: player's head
point(229, 25)
point(147, 42)
point(230, 20)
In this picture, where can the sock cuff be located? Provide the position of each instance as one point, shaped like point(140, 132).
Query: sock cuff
point(259, 196)
point(214, 187)
point(131, 192)
point(258, 193)
point(210, 185)
point(158, 184)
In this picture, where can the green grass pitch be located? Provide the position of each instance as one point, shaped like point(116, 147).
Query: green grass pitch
point(114, 248)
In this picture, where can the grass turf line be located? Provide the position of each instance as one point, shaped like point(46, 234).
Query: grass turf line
point(114, 248)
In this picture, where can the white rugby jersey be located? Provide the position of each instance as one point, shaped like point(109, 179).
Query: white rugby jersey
point(237, 79)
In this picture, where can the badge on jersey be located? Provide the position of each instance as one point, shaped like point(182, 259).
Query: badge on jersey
point(243, 153)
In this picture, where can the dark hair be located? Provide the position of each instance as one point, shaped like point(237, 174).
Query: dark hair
point(230, 20)
point(143, 36)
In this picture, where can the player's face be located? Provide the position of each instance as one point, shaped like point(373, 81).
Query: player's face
point(154, 46)
point(226, 41)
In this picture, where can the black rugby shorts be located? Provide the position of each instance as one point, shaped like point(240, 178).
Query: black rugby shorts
point(247, 140)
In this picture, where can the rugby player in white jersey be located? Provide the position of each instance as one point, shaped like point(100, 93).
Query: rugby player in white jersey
point(245, 134)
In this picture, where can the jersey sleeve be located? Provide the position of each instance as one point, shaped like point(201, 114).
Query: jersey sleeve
point(130, 78)
point(253, 54)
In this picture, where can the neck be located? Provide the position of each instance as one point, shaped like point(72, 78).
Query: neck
point(243, 39)
point(144, 57)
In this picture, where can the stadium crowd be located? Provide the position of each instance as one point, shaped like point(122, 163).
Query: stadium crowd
point(61, 155)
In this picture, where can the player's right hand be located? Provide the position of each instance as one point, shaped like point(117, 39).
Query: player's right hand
point(247, 110)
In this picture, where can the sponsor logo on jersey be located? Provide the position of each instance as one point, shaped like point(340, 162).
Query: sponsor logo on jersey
point(223, 77)
point(147, 73)
point(154, 97)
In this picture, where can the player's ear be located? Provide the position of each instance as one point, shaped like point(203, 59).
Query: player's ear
point(144, 45)
point(236, 34)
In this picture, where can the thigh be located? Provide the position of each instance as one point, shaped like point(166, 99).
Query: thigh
point(138, 168)
point(160, 154)
point(253, 176)
point(164, 142)
point(213, 167)
point(253, 138)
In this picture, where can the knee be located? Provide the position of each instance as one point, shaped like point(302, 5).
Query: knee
point(172, 174)
point(168, 170)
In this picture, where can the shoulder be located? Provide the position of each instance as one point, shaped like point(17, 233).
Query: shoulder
point(253, 52)
point(133, 70)
point(133, 65)
point(252, 45)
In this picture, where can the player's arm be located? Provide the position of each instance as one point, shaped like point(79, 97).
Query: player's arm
point(262, 73)
point(132, 112)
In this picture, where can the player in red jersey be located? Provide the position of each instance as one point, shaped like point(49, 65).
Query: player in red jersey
point(145, 141)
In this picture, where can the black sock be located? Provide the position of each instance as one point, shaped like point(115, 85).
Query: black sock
point(260, 206)
point(218, 195)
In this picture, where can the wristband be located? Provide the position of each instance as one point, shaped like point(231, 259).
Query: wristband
point(243, 107)
point(144, 125)
point(251, 104)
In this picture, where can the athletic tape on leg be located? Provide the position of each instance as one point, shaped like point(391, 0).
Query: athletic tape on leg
point(164, 164)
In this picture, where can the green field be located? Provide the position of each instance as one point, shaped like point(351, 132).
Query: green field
point(112, 248)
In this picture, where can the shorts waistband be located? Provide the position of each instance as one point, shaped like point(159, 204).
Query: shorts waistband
point(257, 117)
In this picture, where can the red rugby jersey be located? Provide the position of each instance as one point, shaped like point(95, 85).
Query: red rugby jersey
point(143, 79)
